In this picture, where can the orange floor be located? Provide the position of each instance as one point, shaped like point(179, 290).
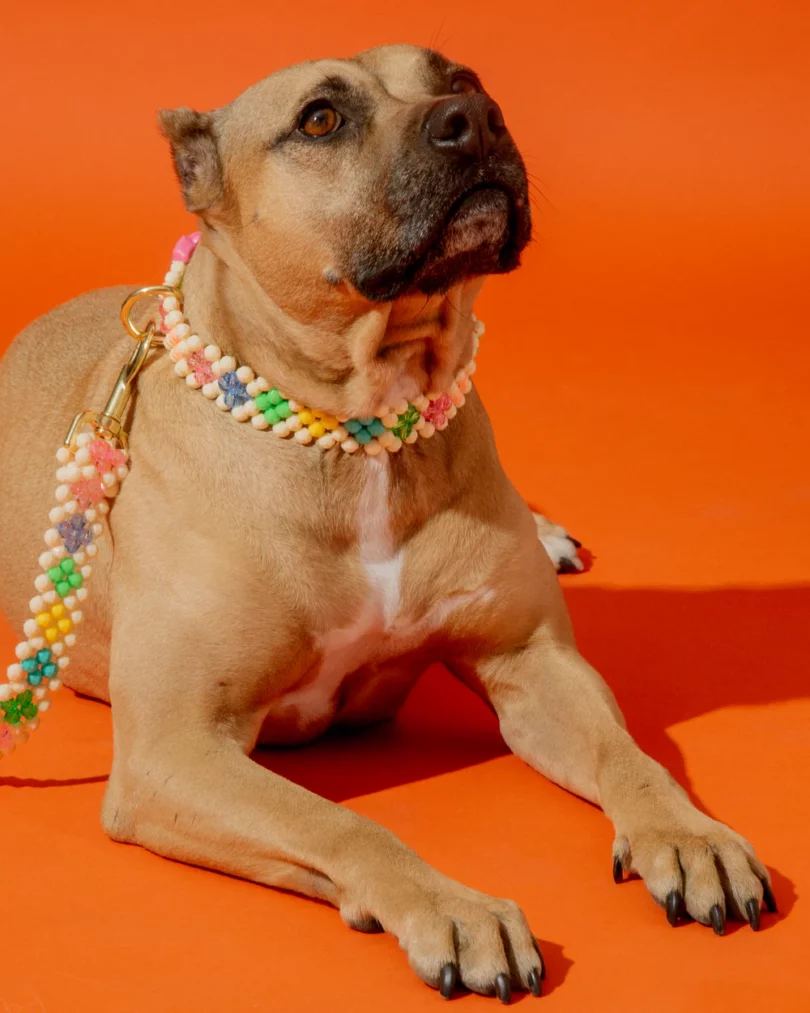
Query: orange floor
point(655, 345)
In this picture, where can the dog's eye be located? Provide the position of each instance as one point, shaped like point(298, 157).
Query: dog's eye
point(318, 121)
point(464, 83)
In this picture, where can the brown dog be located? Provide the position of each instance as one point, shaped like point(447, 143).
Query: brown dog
point(261, 591)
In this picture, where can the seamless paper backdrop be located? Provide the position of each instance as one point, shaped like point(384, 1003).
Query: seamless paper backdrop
point(647, 376)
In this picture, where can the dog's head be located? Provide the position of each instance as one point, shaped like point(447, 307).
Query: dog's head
point(387, 174)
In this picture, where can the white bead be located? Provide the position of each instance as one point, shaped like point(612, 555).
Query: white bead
point(350, 444)
point(294, 406)
point(340, 434)
point(30, 628)
point(251, 409)
point(71, 506)
point(173, 318)
point(44, 705)
point(240, 412)
point(20, 734)
point(52, 538)
point(42, 582)
point(224, 365)
point(58, 552)
point(420, 402)
point(58, 648)
point(32, 725)
point(77, 617)
point(96, 529)
point(17, 688)
point(181, 331)
point(282, 429)
point(54, 685)
point(192, 381)
point(389, 421)
point(40, 693)
point(194, 343)
point(5, 688)
point(258, 386)
point(220, 403)
point(412, 437)
point(451, 412)
point(400, 407)
point(182, 368)
point(260, 422)
point(36, 604)
point(46, 560)
point(427, 430)
point(383, 410)
point(433, 395)
point(86, 571)
point(88, 471)
point(103, 507)
point(57, 515)
point(373, 448)
point(23, 650)
point(91, 550)
point(303, 436)
point(63, 455)
point(83, 456)
point(81, 594)
point(90, 515)
point(62, 493)
point(466, 385)
point(326, 442)
point(245, 374)
point(471, 367)
point(121, 472)
point(212, 352)
point(170, 303)
point(83, 439)
point(49, 597)
point(70, 601)
point(63, 662)
point(108, 480)
point(294, 423)
point(211, 390)
point(70, 640)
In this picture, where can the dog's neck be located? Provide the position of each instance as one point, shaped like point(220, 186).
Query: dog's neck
point(343, 354)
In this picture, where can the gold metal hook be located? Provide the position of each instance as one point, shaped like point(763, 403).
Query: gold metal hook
point(142, 293)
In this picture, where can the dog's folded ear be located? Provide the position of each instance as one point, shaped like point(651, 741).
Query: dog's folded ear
point(196, 158)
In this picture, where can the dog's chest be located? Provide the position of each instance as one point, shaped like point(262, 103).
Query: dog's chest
point(380, 631)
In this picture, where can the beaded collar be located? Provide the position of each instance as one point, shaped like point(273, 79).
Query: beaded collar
point(94, 460)
point(237, 389)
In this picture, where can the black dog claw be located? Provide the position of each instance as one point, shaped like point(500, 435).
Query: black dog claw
point(447, 983)
point(718, 920)
point(503, 988)
point(673, 907)
point(768, 897)
point(618, 870)
point(752, 910)
point(534, 982)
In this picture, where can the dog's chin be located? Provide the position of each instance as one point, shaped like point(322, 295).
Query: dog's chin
point(483, 233)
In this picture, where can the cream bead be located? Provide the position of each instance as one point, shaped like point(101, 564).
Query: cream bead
point(181, 332)
point(70, 640)
point(5, 689)
point(71, 506)
point(224, 365)
point(46, 560)
point(69, 473)
point(294, 406)
point(258, 386)
point(103, 507)
point(77, 617)
point(303, 435)
point(58, 552)
point(86, 572)
point(36, 604)
point(30, 628)
point(96, 529)
point(260, 422)
point(57, 515)
point(192, 381)
point(383, 410)
point(170, 303)
point(91, 551)
point(88, 471)
point(395, 445)
point(211, 390)
point(340, 434)
point(50, 597)
point(63, 662)
point(63, 455)
point(350, 444)
point(70, 601)
point(63, 494)
point(240, 412)
point(42, 582)
point(293, 423)
point(372, 448)
point(282, 429)
point(81, 594)
point(108, 480)
point(54, 685)
point(213, 353)
point(32, 724)
point(427, 430)
point(400, 407)
point(390, 420)
point(327, 441)
point(121, 472)
point(40, 692)
point(84, 438)
point(420, 402)
point(58, 648)
point(451, 412)
point(251, 409)
point(412, 437)
point(194, 343)
point(44, 706)
point(173, 319)
point(52, 538)
point(182, 368)
point(23, 650)
point(245, 374)
point(83, 457)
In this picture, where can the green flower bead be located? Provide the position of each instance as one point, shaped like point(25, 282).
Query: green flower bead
point(272, 416)
point(65, 577)
point(283, 410)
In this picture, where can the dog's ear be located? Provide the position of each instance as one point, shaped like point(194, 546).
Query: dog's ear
point(196, 158)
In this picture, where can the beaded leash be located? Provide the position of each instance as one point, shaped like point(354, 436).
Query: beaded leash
point(93, 462)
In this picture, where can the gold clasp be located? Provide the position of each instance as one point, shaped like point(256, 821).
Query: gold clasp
point(108, 424)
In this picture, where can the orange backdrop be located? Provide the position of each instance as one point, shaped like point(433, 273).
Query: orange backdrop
point(657, 335)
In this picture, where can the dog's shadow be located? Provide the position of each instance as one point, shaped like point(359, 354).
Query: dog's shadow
point(668, 655)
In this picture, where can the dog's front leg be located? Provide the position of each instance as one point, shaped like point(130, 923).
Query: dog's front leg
point(183, 786)
point(558, 715)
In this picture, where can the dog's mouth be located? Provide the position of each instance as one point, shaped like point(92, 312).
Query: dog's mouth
point(482, 232)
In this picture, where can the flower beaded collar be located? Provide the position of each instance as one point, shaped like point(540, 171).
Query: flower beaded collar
point(94, 461)
point(246, 396)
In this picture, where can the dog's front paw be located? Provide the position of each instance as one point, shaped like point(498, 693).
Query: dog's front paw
point(453, 935)
point(694, 866)
point(566, 553)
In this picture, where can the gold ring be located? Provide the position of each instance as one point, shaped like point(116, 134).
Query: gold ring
point(142, 293)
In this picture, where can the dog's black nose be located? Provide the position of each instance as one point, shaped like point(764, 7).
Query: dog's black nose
point(470, 124)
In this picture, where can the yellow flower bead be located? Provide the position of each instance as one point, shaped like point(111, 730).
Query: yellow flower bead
point(51, 634)
point(44, 619)
point(65, 626)
point(306, 417)
point(329, 422)
point(316, 430)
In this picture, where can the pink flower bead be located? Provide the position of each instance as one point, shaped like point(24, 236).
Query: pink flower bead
point(106, 457)
point(185, 246)
point(200, 367)
point(87, 492)
point(435, 411)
